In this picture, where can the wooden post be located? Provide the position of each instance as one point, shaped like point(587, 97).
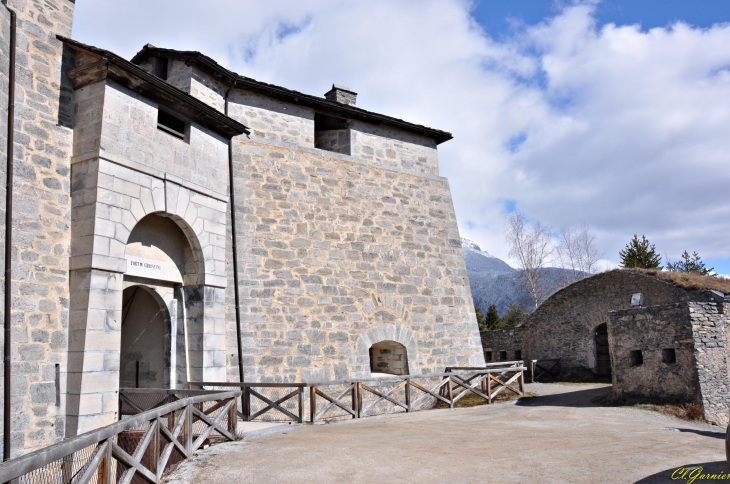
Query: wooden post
point(408, 395)
point(300, 398)
point(189, 429)
point(522, 382)
point(451, 393)
point(353, 386)
point(312, 403)
point(359, 399)
point(233, 417)
point(532, 370)
point(246, 403)
point(489, 387)
point(155, 464)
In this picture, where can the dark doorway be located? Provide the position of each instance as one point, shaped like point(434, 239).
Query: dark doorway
point(603, 357)
point(143, 362)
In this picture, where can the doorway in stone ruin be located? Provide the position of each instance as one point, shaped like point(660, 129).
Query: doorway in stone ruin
point(388, 357)
point(603, 356)
point(144, 357)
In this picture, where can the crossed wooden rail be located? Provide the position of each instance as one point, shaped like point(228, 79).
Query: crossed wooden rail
point(112, 458)
point(540, 368)
point(452, 386)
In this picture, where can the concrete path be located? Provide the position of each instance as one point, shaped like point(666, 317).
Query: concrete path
point(557, 437)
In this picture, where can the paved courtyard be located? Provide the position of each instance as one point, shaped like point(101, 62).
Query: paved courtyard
point(556, 437)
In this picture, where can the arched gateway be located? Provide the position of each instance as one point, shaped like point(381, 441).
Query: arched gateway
point(147, 302)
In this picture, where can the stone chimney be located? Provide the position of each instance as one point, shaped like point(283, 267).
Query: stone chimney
point(341, 94)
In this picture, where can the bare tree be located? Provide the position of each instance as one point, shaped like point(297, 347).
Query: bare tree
point(531, 244)
point(578, 252)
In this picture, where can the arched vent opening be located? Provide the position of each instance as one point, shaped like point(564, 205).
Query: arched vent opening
point(389, 357)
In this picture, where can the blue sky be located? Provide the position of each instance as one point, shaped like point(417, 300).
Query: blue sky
point(498, 17)
point(606, 113)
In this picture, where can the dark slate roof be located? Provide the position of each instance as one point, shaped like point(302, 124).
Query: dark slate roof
point(317, 103)
point(133, 77)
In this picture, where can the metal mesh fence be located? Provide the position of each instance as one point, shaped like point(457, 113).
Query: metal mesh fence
point(145, 443)
point(63, 470)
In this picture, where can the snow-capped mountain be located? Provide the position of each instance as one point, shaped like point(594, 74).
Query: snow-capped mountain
point(493, 281)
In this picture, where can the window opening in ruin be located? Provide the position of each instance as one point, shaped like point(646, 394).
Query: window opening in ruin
point(171, 124)
point(518, 355)
point(159, 67)
point(502, 356)
point(637, 358)
point(603, 355)
point(487, 356)
point(669, 356)
point(389, 357)
point(332, 134)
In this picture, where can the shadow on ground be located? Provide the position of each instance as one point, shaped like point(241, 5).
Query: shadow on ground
point(673, 475)
point(578, 398)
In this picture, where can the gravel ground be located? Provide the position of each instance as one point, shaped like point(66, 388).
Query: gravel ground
point(556, 437)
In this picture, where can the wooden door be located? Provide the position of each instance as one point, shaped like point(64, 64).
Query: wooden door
point(603, 357)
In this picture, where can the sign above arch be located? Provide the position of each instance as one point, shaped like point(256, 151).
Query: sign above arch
point(152, 269)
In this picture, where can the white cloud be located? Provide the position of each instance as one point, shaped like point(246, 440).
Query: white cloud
point(626, 130)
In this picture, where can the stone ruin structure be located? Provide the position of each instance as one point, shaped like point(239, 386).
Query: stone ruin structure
point(673, 345)
point(174, 221)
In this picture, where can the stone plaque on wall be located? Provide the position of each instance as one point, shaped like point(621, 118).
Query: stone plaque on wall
point(152, 269)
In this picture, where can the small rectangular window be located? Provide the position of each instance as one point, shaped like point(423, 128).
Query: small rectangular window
point(487, 356)
point(502, 356)
point(637, 358)
point(669, 356)
point(171, 124)
point(518, 355)
point(159, 67)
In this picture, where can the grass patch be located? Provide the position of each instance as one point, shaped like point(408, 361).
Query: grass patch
point(672, 406)
point(472, 400)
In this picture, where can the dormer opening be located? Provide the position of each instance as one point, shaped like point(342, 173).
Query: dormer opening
point(172, 124)
point(332, 133)
point(159, 67)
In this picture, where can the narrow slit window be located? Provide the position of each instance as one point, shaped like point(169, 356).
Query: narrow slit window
point(171, 124)
point(487, 356)
point(637, 358)
point(518, 355)
point(669, 356)
point(502, 356)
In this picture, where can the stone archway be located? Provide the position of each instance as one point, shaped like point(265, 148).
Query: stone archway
point(396, 333)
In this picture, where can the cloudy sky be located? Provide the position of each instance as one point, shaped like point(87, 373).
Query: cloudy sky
point(615, 113)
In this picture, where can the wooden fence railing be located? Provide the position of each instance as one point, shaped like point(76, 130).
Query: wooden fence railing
point(542, 368)
point(140, 448)
point(369, 397)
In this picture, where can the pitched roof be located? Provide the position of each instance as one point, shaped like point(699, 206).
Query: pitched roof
point(288, 95)
point(139, 80)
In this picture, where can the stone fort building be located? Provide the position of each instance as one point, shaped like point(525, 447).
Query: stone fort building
point(173, 221)
point(672, 342)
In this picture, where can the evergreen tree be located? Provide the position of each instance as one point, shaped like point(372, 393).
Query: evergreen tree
point(514, 315)
point(481, 318)
point(690, 263)
point(493, 320)
point(640, 253)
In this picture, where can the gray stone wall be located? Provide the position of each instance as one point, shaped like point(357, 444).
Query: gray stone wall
point(273, 120)
point(709, 329)
point(696, 332)
point(563, 326)
point(502, 344)
point(653, 331)
point(335, 255)
point(393, 149)
point(4, 68)
point(41, 224)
